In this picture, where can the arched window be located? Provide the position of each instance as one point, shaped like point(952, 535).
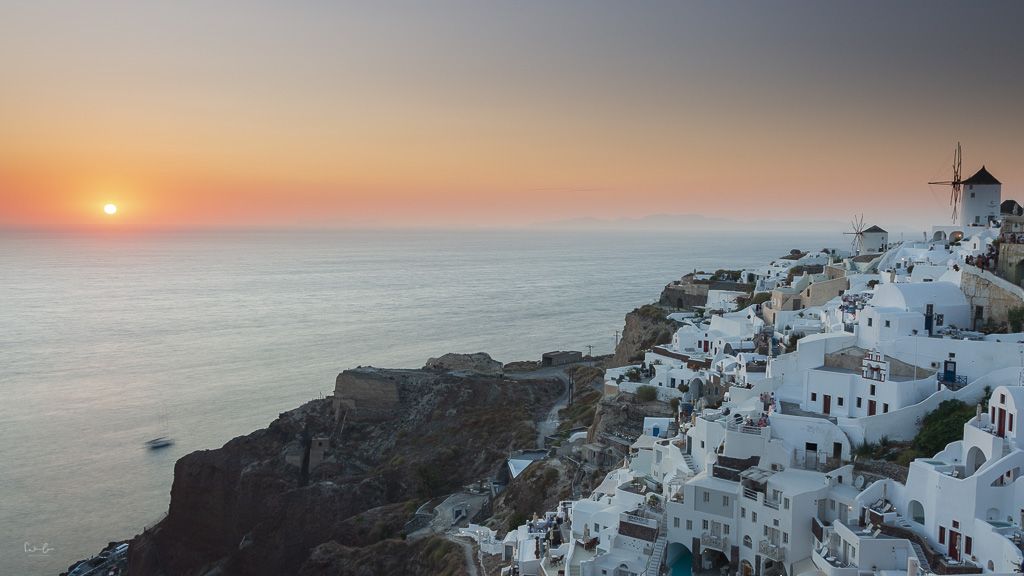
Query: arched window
point(916, 511)
point(748, 542)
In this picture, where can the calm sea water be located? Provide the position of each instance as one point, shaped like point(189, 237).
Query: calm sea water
point(107, 341)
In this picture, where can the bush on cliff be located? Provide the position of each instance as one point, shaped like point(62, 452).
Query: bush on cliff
point(943, 425)
point(646, 394)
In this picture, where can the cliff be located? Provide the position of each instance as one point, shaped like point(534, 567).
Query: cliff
point(645, 327)
point(327, 488)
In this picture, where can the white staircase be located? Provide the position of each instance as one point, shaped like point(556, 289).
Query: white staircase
point(658, 556)
point(690, 463)
point(926, 568)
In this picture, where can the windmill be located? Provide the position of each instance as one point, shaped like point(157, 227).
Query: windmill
point(954, 184)
point(857, 225)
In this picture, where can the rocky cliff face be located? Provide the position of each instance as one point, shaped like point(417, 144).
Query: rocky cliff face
point(645, 327)
point(479, 362)
point(254, 506)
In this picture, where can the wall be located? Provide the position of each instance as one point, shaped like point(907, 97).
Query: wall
point(365, 395)
point(996, 295)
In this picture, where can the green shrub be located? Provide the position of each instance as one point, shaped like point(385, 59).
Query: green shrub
point(943, 425)
point(646, 393)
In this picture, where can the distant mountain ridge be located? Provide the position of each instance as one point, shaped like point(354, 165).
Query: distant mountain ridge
point(691, 221)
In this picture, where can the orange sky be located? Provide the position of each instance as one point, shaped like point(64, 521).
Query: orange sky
point(228, 115)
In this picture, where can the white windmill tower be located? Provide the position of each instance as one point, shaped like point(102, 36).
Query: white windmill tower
point(857, 227)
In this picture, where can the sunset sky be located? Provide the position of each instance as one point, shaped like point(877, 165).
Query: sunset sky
point(334, 114)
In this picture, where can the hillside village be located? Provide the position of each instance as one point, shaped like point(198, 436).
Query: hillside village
point(833, 413)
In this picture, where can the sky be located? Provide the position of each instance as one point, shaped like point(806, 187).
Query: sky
point(328, 114)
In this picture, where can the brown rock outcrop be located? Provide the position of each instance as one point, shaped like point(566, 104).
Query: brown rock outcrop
point(248, 509)
point(645, 327)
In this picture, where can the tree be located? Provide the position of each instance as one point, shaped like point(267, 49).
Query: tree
point(646, 393)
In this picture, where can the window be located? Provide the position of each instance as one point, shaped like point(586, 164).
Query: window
point(704, 524)
point(748, 542)
point(743, 512)
point(765, 529)
point(885, 407)
point(956, 524)
point(785, 537)
point(701, 443)
point(859, 399)
point(725, 529)
point(888, 324)
point(1011, 421)
point(1002, 398)
point(596, 528)
point(707, 496)
point(831, 503)
point(839, 400)
point(972, 196)
point(814, 396)
point(968, 545)
point(872, 390)
point(785, 504)
point(689, 524)
point(675, 522)
point(942, 534)
point(753, 516)
point(869, 321)
point(725, 500)
point(775, 522)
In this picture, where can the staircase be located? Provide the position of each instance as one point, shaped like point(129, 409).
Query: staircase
point(658, 556)
point(926, 568)
point(690, 463)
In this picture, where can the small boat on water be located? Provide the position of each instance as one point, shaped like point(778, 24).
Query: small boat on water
point(159, 442)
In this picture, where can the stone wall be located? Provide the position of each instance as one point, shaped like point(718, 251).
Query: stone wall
point(1011, 261)
point(365, 394)
point(994, 295)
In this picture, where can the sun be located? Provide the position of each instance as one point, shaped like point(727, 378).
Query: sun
point(110, 209)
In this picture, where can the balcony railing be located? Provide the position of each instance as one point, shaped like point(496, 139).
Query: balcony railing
point(772, 551)
point(711, 541)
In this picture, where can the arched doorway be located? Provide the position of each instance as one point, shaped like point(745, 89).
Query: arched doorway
point(940, 235)
point(746, 569)
point(975, 459)
point(679, 560)
point(916, 511)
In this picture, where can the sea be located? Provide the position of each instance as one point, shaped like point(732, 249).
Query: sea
point(110, 339)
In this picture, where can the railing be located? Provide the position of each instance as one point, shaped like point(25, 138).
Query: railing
point(712, 541)
point(772, 551)
point(746, 428)
point(751, 494)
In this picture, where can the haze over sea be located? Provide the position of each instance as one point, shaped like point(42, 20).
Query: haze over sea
point(107, 341)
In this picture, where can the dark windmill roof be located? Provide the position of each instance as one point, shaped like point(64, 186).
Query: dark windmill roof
point(1011, 207)
point(982, 176)
point(875, 229)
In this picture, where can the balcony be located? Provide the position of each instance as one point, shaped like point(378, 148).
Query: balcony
point(771, 551)
point(714, 542)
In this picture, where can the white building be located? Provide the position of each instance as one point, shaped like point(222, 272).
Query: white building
point(982, 194)
point(874, 240)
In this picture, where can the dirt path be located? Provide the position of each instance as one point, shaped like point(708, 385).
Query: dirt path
point(471, 562)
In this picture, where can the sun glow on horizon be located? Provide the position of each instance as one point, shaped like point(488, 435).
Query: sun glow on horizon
point(110, 209)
